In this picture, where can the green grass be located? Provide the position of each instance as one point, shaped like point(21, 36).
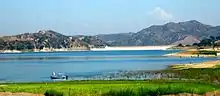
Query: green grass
point(217, 66)
point(113, 88)
point(208, 52)
point(205, 74)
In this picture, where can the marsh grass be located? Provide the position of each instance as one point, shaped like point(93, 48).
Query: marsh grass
point(207, 52)
point(113, 88)
point(146, 91)
point(206, 74)
point(217, 66)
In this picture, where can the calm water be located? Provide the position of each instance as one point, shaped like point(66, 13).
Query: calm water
point(39, 66)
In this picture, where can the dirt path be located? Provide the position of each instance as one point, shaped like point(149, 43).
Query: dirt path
point(18, 94)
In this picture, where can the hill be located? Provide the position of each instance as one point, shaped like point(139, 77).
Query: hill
point(188, 32)
point(47, 39)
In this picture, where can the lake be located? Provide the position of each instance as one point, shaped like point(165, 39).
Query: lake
point(28, 67)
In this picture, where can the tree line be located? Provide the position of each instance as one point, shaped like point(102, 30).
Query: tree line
point(213, 41)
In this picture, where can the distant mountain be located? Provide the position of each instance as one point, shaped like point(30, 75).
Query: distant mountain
point(92, 41)
point(121, 39)
point(188, 32)
point(47, 39)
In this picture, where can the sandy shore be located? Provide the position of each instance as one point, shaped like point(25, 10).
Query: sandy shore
point(191, 53)
point(182, 54)
point(209, 64)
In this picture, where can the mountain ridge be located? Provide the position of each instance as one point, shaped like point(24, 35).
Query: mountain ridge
point(165, 34)
point(188, 32)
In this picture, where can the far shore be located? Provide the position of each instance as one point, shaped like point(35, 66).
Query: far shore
point(42, 50)
point(208, 64)
point(184, 54)
point(114, 48)
point(193, 52)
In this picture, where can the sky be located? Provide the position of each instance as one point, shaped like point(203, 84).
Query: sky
point(91, 17)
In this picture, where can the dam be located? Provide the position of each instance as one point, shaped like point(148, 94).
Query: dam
point(115, 48)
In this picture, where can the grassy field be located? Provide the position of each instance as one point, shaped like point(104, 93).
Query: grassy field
point(207, 71)
point(112, 88)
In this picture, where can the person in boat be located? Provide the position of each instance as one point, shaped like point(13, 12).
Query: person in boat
point(66, 77)
point(59, 76)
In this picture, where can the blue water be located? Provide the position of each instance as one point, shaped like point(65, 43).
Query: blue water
point(30, 66)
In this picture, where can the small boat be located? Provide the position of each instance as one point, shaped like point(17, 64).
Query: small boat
point(59, 76)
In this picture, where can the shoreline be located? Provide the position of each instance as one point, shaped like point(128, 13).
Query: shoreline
point(114, 48)
point(195, 53)
point(207, 64)
point(37, 51)
point(187, 55)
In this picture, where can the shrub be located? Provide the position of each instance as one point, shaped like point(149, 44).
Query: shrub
point(208, 52)
point(53, 93)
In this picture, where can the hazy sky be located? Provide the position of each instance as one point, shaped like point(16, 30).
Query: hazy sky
point(71, 17)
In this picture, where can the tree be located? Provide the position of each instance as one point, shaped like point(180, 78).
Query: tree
point(217, 37)
point(180, 45)
point(195, 44)
point(212, 38)
point(206, 42)
point(188, 45)
point(2, 44)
